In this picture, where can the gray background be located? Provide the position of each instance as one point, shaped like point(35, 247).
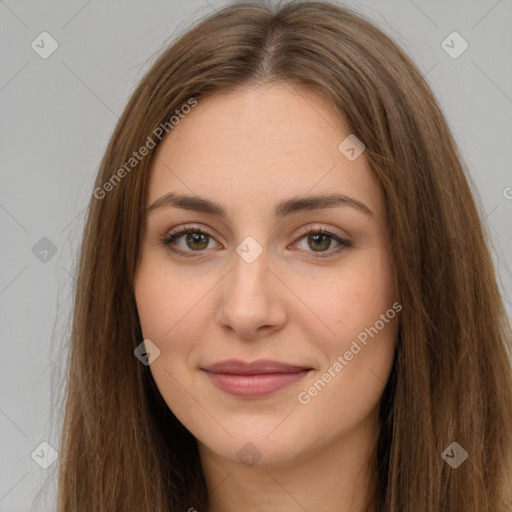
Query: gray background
point(57, 115)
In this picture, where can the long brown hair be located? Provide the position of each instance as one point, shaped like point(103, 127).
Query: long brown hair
point(122, 449)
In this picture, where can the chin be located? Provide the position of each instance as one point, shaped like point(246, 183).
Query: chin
point(267, 445)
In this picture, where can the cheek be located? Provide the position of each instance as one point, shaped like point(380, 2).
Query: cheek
point(349, 302)
point(358, 345)
point(175, 311)
point(156, 305)
point(166, 305)
point(163, 297)
point(357, 358)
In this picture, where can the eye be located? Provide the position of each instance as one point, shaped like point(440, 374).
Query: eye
point(321, 239)
point(197, 240)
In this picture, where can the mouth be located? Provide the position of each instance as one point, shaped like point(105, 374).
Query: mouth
point(254, 380)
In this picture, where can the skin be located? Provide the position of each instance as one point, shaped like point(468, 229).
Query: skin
point(248, 150)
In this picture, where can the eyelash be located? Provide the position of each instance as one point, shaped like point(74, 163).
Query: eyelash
point(168, 239)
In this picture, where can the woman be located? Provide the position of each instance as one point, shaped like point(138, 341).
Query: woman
point(286, 299)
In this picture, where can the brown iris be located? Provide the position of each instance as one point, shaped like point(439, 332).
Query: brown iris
point(197, 238)
point(324, 239)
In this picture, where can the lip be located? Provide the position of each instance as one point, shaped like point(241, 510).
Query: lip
point(255, 379)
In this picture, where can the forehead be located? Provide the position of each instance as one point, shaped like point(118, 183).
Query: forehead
point(258, 145)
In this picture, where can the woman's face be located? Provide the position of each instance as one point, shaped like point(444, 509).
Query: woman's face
point(257, 286)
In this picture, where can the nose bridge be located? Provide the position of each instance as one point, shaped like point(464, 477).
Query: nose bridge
point(249, 299)
point(250, 270)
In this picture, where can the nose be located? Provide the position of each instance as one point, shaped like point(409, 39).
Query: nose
point(252, 299)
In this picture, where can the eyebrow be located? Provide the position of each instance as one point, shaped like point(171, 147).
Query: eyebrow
point(281, 209)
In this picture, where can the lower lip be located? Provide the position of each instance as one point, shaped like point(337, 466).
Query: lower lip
point(255, 386)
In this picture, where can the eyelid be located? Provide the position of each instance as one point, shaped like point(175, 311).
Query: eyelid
point(322, 227)
point(188, 227)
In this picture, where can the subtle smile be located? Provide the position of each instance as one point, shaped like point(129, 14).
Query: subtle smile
point(254, 380)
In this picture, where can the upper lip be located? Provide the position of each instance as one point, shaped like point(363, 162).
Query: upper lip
point(238, 367)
